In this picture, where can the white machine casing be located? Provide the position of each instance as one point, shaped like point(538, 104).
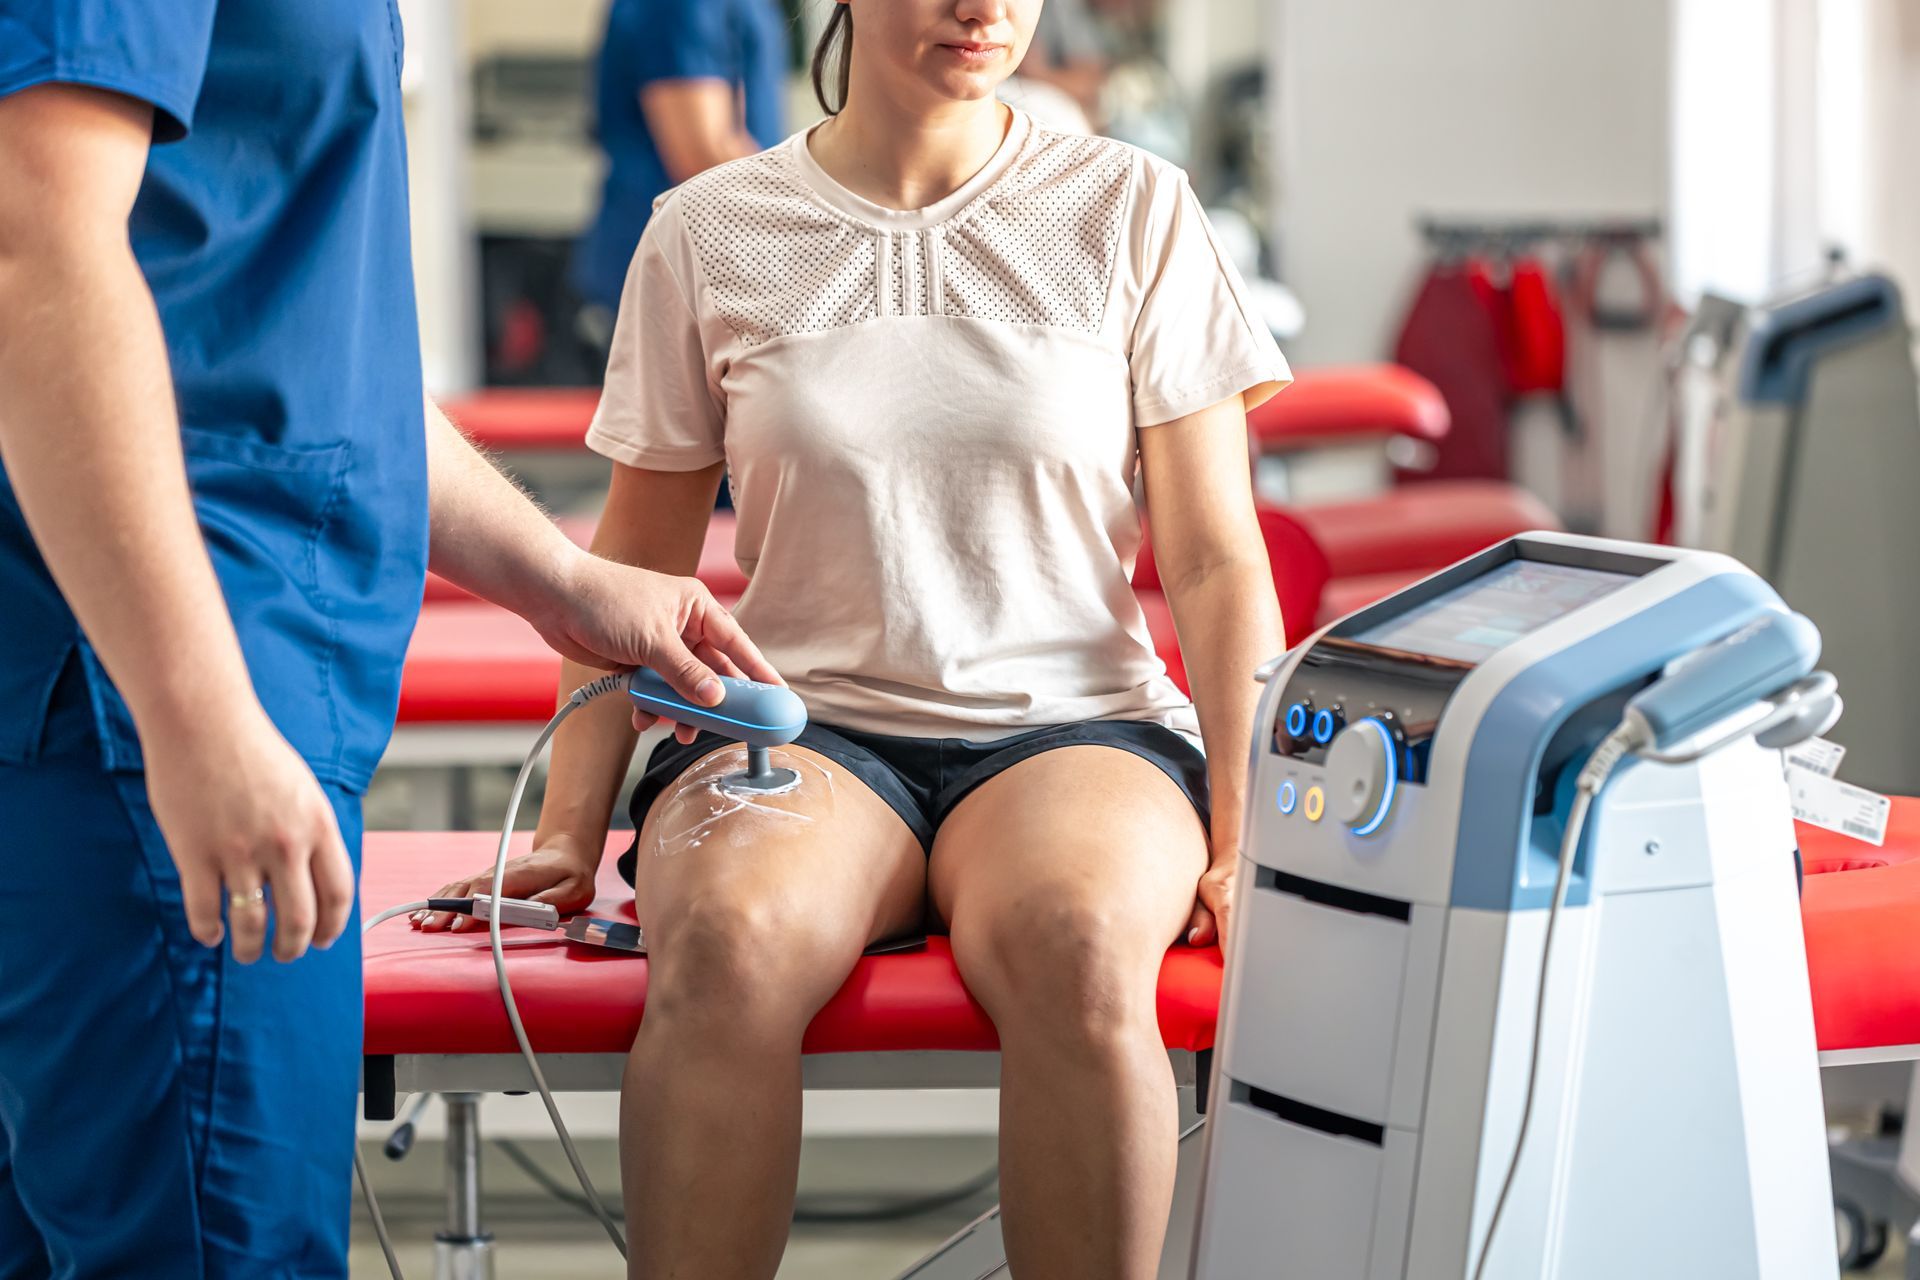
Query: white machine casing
point(1378, 1014)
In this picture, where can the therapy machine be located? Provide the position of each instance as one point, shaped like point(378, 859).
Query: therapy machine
point(1807, 476)
point(1517, 984)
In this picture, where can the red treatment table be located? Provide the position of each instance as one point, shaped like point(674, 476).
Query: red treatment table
point(540, 433)
point(434, 1021)
point(435, 1024)
point(525, 419)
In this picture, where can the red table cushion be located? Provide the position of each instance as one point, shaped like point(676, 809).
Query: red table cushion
point(1344, 595)
point(436, 993)
point(525, 418)
point(1861, 908)
point(718, 568)
point(1428, 526)
point(1349, 402)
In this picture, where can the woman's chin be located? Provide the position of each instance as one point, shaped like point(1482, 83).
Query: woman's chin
point(957, 85)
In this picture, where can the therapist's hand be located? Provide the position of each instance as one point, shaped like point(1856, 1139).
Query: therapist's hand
point(615, 616)
point(241, 811)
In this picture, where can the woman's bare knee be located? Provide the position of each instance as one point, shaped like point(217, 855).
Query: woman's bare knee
point(745, 958)
point(1075, 970)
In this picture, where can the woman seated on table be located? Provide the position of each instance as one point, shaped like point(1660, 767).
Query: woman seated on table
point(934, 346)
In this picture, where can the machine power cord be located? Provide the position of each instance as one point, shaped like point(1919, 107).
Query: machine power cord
point(879, 1211)
point(1606, 757)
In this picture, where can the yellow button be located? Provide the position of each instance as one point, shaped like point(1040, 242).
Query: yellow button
point(1315, 803)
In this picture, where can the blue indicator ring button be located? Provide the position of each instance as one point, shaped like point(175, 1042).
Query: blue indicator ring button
point(1289, 797)
point(1326, 723)
point(1297, 720)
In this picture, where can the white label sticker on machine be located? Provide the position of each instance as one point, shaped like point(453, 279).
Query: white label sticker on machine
point(1816, 755)
point(1839, 806)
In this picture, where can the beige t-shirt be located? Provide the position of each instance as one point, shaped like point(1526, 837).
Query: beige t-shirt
point(928, 418)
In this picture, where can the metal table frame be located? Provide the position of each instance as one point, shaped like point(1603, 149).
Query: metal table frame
point(463, 1249)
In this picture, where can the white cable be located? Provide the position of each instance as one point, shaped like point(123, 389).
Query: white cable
point(373, 1211)
point(1594, 776)
point(391, 912)
point(581, 696)
point(359, 1168)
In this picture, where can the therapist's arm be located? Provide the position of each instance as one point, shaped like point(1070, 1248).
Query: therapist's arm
point(488, 537)
point(656, 519)
point(695, 124)
point(91, 444)
point(1213, 564)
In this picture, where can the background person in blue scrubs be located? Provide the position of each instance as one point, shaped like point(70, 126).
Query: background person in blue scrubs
point(221, 489)
point(681, 86)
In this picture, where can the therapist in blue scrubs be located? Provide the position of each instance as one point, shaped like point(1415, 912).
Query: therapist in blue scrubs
point(681, 86)
point(222, 489)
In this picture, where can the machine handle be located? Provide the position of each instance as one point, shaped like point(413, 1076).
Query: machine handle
point(1712, 683)
point(760, 715)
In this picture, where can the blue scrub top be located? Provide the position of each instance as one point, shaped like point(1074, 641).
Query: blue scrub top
point(272, 228)
point(743, 42)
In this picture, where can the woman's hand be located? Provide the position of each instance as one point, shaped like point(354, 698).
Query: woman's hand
point(1213, 905)
point(560, 871)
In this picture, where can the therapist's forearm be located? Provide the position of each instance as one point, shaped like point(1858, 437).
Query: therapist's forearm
point(91, 444)
point(1234, 622)
point(487, 535)
point(657, 521)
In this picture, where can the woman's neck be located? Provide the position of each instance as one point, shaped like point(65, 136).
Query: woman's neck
point(908, 161)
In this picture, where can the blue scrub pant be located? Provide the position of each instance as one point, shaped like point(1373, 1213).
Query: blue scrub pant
point(164, 1111)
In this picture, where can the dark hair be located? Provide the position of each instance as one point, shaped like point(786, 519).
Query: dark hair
point(835, 47)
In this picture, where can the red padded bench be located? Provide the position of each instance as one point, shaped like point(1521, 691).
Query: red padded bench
point(434, 1021)
point(521, 419)
point(435, 993)
point(1377, 543)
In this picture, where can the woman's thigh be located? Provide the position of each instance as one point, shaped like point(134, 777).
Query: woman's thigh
point(829, 860)
point(1081, 844)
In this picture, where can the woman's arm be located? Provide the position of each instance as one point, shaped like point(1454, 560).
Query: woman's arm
point(656, 520)
point(1213, 565)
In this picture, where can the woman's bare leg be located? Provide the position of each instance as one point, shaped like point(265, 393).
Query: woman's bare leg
point(1064, 881)
point(748, 935)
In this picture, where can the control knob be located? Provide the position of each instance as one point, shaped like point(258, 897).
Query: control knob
point(1362, 774)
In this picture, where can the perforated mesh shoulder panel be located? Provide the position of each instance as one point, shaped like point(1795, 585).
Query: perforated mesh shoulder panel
point(775, 261)
point(1038, 247)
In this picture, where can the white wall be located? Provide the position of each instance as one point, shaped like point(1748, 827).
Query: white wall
point(1389, 109)
point(1793, 128)
point(1890, 200)
point(445, 259)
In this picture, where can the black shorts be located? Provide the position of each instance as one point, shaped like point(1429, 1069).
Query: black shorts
point(922, 779)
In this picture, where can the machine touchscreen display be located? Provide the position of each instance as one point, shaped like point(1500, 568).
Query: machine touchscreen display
point(1477, 619)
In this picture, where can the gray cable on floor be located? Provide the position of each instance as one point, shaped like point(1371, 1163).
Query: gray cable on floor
point(885, 1211)
point(373, 1210)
